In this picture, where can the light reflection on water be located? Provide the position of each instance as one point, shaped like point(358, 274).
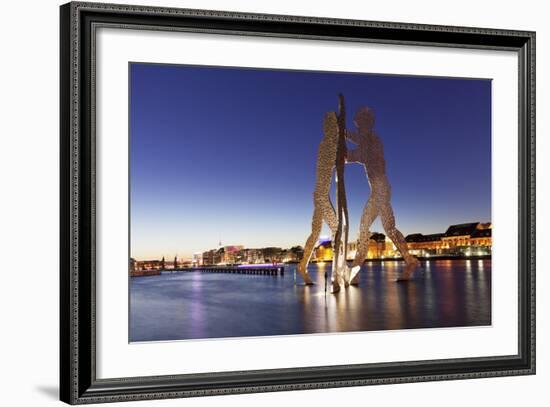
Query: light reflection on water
point(194, 305)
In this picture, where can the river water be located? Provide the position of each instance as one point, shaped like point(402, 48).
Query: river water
point(193, 305)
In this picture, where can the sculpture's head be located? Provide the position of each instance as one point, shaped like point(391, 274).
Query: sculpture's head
point(364, 118)
point(330, 124)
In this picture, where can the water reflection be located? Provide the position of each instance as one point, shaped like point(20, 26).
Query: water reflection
point(196, 305)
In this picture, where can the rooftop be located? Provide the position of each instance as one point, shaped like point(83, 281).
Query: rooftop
point(463, 229)
point(419, 237)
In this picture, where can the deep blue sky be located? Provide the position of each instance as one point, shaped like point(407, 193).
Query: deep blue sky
point(229, 153)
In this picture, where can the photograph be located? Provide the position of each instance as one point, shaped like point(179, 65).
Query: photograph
point(268, 202)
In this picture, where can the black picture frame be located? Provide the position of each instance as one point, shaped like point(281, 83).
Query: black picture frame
point(78, 382)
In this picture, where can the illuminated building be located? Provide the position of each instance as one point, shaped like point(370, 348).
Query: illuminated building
point(149, 265)
point(197, 260)
point(253, 256)
point(272, 254)
point(293, 255)
point(482, 237)
point(208, 258)
point(466, 239)
point(377, 248)
point(186, 263)
point(458, 235)
point(421, 245)
point(323, 252)
point(230, 254)
point(218, 256)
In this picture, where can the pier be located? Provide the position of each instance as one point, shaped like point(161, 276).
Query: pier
point(144, 273)
point(263, 271)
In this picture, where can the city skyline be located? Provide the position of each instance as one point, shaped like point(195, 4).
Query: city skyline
point(254, 186)
point(322, 239)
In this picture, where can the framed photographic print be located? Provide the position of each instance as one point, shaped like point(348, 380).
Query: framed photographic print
point(256, 203)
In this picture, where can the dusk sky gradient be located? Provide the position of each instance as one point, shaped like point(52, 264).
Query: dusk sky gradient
point(229, 153)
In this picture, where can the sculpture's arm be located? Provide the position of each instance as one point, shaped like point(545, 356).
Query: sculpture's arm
point(354, 156)
point(353, 136)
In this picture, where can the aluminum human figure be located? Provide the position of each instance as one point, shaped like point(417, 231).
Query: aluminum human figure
point(323, 210)
point(370, 153)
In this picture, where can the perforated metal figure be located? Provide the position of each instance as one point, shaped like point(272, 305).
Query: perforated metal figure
point(370, 153)
point(323, 210)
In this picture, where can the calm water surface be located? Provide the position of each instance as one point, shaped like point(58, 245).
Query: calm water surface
point(192, 305)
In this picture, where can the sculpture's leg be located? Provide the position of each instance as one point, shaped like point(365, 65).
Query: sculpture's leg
point(336, 279)
point(329, 216)
point(342, 270)
point(388, 222)
point(316, 224)
point(338, 264)
point(370, 212)
point(345, 270)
